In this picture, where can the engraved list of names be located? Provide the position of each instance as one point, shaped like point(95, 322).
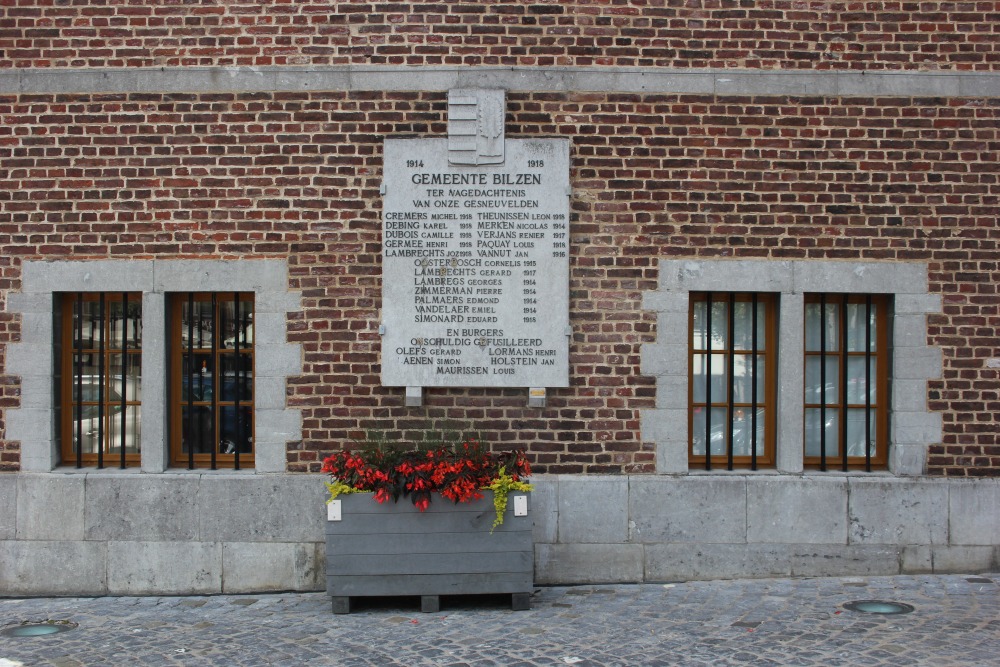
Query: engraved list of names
point(475, 267)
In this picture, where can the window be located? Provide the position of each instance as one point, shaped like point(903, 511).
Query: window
point(732, 366)
point(100, 367)
point(846, 374)
point(212, 372)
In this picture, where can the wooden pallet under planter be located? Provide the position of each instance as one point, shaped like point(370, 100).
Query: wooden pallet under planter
point(392, 549)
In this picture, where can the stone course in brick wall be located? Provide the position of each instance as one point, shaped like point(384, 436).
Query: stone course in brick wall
point(768, 34)
point(297, 175)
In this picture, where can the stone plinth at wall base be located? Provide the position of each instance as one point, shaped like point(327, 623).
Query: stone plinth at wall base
point(393, 549)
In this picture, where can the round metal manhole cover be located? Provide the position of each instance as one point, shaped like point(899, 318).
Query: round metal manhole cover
point(879, 607)
point(37, 628)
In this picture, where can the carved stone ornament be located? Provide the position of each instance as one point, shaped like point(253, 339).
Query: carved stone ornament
point(476, 126)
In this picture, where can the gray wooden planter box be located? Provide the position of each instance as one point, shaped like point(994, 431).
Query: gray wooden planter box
point(392, 549)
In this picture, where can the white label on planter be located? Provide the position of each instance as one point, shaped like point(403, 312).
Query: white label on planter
point(333, 510)
point(520, 505)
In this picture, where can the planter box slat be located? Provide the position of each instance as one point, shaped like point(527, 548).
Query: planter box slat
point(428, 584)
point(427, 543)
point(355, 523)
point(392, 549)
point(432, 563)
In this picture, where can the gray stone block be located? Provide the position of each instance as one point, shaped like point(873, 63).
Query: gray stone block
point(962, 559)
point(8, 505)
point(543, 508)
point(844, 561)
point(664, 424)
point(682, 562)
point(917, 560)
point(700, 508)
point(251, 567)
point(778, 83)
point(53, 568)
point(916, 427)
point(50, 507)
point(588, 563)
point(672, 392)
point(133, 507)
point(30, 358)
point(98, 276)
point(676, 304)
point(918, 303)
point(164, 568)
point(797, 511)
point(262, 508)
point(908, 331)
point(593, 509)
point(910, 396)
point(974, 512)
point(920, 363)
point(663, 359)
point(281, 360)
point(907, 459)
point(898, 511)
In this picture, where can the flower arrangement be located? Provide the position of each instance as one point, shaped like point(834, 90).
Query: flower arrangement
point(459, 473)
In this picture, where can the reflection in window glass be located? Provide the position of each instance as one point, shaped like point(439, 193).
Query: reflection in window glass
point(846, 373)
point(101, 378)
point(732, 379)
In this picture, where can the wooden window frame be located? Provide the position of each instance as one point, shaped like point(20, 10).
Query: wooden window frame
point(835, 458)
point(71, 378)
point(768, 402)
point(177, 351)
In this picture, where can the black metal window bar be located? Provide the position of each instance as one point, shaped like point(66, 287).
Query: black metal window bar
point(105, 328)
point(730, 402)
point(214, 398)
point(843, 405)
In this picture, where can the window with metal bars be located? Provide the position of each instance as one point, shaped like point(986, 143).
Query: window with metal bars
point(100, 372)
point(212, 380)
point(732, 366)
point(846, 381)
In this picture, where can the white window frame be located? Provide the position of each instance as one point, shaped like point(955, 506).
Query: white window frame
point(33, 358)
point(913, 427)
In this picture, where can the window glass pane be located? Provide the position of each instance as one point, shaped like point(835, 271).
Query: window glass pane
point(743, 326)
point(856, 380)
point(132, 430)
point(86, 366)
point(856, 327)
point(856, 432)
point(720, 325)
point(718, 369)
point(86, 313)
point(814, 324)
point(814, 380)
point(743, 428)
point(199, 430)
point(235, 327)
point(199, 321)
point(743, 378)
point(234, 377)
point(201, 380)
point(131, 327)
point(130, 386)
point(813, 420)
point(235, 433)
point(718, 443)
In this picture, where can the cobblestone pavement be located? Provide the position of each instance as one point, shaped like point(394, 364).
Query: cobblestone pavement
point(956, 621)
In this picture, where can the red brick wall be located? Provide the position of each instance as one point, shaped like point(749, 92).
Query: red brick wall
point(296, 176)
point(809, 34)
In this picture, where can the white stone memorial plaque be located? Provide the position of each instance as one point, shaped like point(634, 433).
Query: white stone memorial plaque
point(475, 266)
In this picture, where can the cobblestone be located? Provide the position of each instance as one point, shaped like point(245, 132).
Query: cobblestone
point(803, 622)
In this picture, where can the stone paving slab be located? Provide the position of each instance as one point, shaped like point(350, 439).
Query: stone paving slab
point(956, 621)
